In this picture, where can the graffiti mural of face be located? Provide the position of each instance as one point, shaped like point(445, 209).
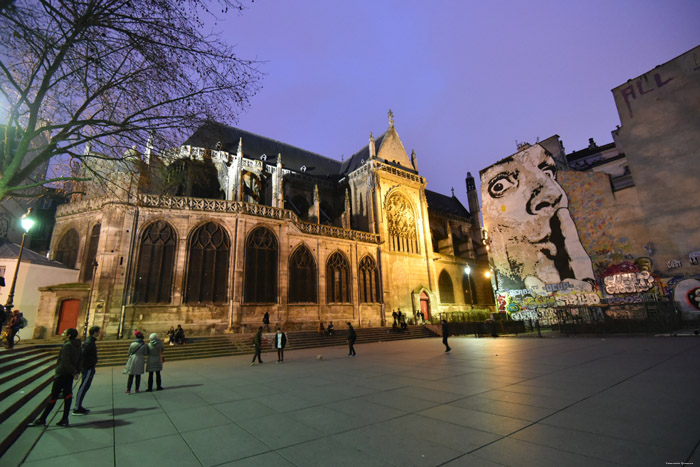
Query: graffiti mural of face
point(534, 240)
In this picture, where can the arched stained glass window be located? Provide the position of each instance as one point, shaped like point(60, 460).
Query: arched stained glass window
point(207, 265)
point(369, 280)
point(447, 293)
point(401, 224)
point(337, 279)
point(260, 275)
point(154, 268)
point(88, 269)
point(302, 276)
point(67, 250)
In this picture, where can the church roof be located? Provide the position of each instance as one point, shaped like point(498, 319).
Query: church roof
point(446, 204)
point(360, 157)
point(254, 146)
point(10, 250)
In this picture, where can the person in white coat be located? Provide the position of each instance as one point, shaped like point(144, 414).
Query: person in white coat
point(136, 362)
point(154, 361)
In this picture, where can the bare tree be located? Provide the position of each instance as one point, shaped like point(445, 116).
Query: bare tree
point(109, 73)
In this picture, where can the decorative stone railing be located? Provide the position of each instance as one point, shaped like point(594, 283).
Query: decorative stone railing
point(216, 205)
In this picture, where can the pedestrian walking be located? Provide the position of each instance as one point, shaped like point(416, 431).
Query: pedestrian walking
point(88, 362)
point(154, 361)
point(395, 316)
point(280, 343)
point(257, 343)
point(266, 321)
point(445, 333)
point(67, 366)
point(352, 337)
point(136, 361)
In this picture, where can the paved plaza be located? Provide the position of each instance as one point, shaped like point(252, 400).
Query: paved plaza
point(505, 401)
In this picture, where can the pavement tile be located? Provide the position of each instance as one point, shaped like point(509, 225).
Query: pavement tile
point(268, 459)
point(279, 430)
point(284, 402)
point(404, 450)
point(326, 420)
point(147, 426)
point(516, 453)
point(545, 402)
point(508, 409)
point(103, 457)
point(328, 451)
point(365, 411)
point(83, 435)
point(458, 438)
point(225, 443)
point(244, 409)
point(470, 460)
point(497, 424)
point(168, 450)
point(399, 401)
point(609, 449)
point(197, 418)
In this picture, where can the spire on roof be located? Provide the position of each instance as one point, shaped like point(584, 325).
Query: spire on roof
point(391, 118)
point(453, 191)
point(372, 149)
point(240, 147)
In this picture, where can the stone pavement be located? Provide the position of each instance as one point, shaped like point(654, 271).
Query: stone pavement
point(506, 401)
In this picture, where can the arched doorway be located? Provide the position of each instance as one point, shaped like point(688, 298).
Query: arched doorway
point(68, 317)
point(425, 305)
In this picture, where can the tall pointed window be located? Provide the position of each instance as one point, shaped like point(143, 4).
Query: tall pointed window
point(154, 268)
point(260, 275)
point(401, 224)
point(302, 276)
point(207, 265)
point(67, 250)
point(447, 293)
point(369, 283)
point(337, 279)
point(88, 268)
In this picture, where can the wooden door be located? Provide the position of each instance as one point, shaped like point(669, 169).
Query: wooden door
point(68, 317)
point(425, 305)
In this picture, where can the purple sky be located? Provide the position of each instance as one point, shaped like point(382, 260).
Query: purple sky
point(465, 79)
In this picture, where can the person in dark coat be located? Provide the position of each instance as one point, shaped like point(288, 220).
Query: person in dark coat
point(266, 321)
point(445, 333)
point(67, 368)
point(257, 343)
point(280, 343)
point(154, 361)
point(180, 335)
point(330, 331)
point(88, 362)
point(13, 327)
point(352, 337)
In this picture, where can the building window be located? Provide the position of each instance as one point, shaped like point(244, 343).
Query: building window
point(447, 294)
point(67, 250)
point(369, 282)
point(260, 275)
point(88, 268)
point(154, 269)
point(302, 276)
point(207, 265)
point(401, 224)
point(338, 279)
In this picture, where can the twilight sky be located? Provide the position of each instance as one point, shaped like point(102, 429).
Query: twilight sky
point(465, 79)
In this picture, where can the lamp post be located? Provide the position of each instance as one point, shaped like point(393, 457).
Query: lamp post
point(27, 224)
point(468, 271)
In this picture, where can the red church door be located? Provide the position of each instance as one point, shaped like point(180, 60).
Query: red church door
point(425, 305)
point(68, 318)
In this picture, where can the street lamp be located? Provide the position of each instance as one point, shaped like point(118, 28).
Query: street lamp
point(468, 271)
point(27, 224)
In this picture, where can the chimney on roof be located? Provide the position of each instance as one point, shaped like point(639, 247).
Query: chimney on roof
point(591, 144)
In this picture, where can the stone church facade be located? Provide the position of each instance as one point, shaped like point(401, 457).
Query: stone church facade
point(234, 225)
